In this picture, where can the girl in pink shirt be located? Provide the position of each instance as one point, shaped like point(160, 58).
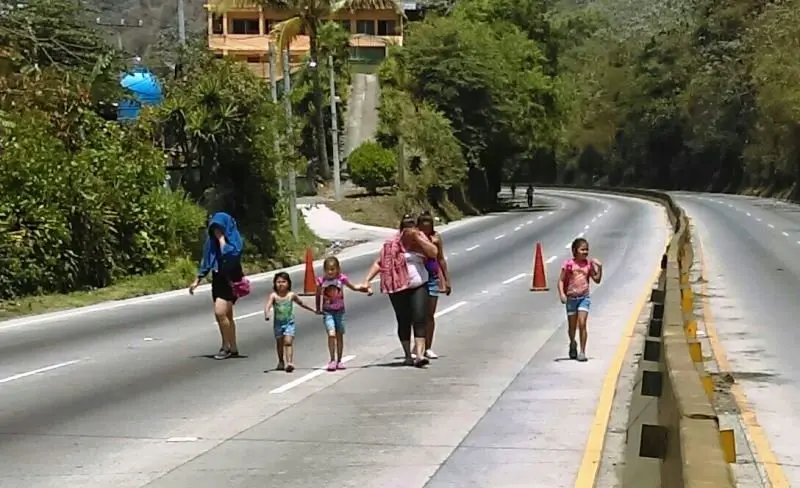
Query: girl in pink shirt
point(573, 288)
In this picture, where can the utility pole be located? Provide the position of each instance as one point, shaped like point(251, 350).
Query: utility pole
point(118, 27)
point(181, 23)
point(273, 84)
point(287, 89)
point(337, 177)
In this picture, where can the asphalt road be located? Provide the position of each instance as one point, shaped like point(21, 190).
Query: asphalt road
point(751, 250)
point(128, 397)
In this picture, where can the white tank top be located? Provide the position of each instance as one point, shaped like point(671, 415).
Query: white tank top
point(417, 273)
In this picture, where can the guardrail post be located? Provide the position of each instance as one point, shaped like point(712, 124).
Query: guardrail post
point(690, 328)
point(696, 351)
point(727, 440)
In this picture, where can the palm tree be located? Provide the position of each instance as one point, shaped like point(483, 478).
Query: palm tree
point(308, 17)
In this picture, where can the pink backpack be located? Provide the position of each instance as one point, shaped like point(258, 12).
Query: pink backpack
point(393, 269)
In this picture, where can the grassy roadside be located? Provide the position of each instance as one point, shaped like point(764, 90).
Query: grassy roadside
point(176, 276)
point(386, 210)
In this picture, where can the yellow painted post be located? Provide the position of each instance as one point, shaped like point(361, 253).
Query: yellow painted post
point(728, 443)
point(690, 328)
point(708, 386)
point(696, 351)
point(687, 300)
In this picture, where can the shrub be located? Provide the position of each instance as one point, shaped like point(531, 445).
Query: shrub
point(372, 166)
point(83, 218)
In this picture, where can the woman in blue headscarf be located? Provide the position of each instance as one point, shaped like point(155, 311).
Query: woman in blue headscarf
point(222, 255)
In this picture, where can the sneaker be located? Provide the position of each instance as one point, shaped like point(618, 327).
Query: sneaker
point(332, 366)
point(421, 363)
point(430, 354)
point(582, 357)
point(222, 354)
point(280, 367)
point(413, 355)
point(573, 350)
point(340, 365)
point(289, 368)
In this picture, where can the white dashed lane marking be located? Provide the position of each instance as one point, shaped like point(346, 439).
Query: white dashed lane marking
point(551, 259)
point(499, 237)
point(758, 219)
point(299, 381)
point(514, 278)
point(476, 246)
point(37, 371)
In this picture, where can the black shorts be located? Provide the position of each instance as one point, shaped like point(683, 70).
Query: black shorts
point(221, 288)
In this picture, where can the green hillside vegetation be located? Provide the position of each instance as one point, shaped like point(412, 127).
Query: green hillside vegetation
point(696, 95)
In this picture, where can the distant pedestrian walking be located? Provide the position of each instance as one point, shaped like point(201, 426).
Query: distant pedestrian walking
point(330, 303)
point(438, 279)
point(573, 289)
point(404, 278)
point(282, 301)
point(222, 256)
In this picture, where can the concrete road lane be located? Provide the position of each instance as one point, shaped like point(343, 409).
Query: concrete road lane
point(748, 252)
point(140, 405)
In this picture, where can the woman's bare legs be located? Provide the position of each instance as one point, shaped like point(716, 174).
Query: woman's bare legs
point(223, 313)
point(232, 331)
point(430, 327)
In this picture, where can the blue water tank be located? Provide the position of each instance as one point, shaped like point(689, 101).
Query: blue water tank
point(146, 90)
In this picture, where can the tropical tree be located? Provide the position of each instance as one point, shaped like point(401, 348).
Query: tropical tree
point(307, 18)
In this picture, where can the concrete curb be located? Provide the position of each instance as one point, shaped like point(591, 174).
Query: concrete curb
point(694, 453)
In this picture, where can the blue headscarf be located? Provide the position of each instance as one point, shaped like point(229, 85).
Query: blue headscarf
point(213, 256)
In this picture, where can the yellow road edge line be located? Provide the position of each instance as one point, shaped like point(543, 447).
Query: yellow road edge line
point(763, 451)
point(593, 451)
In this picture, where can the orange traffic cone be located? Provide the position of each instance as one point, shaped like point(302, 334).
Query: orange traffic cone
point(539, 279)
point(310, 282)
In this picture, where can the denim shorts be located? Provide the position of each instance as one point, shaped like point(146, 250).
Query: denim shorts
point(282, 329)
point(576, 304)
point(334, 321)
point(433, 287)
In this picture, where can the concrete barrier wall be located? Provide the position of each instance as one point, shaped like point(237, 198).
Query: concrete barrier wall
point(687, 437)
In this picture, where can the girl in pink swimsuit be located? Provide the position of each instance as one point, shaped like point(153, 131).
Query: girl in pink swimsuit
point(573, 289)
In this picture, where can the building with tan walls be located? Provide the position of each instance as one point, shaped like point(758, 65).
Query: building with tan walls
point(244, 34)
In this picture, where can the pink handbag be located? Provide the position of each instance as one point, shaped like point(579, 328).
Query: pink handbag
point(241, 288)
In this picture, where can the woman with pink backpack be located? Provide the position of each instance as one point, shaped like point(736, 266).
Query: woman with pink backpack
point(404, 277)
